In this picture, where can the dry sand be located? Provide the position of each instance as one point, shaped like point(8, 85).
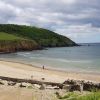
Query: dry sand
point(18, 70)
point(12, 93)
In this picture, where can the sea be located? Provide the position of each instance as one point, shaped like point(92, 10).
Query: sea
point(84, 58)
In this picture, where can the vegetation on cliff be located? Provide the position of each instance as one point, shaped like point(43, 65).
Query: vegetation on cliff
point(35, 37)
point(44, 37)
point(11, 43)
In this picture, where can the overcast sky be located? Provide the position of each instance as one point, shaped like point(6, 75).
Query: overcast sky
point(76, 19)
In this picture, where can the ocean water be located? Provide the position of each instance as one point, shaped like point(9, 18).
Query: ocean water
point(72, 59)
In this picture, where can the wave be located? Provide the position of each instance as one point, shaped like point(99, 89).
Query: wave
point(62, 60)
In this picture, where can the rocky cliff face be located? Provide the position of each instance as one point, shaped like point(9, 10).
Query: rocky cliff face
point(26, 38)
point(14, 46)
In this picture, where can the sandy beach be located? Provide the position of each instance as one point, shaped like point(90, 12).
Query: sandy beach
point(24, 71)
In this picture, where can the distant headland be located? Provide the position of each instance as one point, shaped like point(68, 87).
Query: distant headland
point(15, 38)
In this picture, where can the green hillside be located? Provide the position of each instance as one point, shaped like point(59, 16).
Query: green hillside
point(45, 38)
point(6, 36)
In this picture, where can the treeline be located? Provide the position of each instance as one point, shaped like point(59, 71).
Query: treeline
point(44, 37)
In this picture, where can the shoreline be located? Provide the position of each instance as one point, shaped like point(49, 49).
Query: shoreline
point(36, 65)
point(22, 70)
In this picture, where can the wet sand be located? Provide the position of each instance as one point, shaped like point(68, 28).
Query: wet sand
point(25, 71)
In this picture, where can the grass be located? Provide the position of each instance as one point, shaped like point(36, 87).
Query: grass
point(6, 36)
point(92, 96)
point(76, 96)
point(43, 37)
point(30, 87)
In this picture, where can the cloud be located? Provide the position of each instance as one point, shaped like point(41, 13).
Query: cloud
point(77, 19)
point(82, 32)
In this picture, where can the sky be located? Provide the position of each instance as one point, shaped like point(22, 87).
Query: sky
point(77, 19)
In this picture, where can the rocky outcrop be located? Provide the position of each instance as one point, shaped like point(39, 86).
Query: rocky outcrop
point(9, 46)
point(81, 85)
point(68, 85)
point(16, 80)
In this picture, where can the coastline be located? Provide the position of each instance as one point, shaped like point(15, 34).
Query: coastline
point(25, 71)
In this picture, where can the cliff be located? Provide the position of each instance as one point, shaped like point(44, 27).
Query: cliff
point(23, 37)
point(11, 43)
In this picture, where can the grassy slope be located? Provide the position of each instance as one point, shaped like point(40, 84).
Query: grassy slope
point(43, 37)
point(81, 96)
point(6, 36)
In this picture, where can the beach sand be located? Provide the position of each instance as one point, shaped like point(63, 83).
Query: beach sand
point(25, 71)
point(12, 93)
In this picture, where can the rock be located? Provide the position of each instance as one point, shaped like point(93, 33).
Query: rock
point(70, 82)
point(74, 88)
point(17, 85)
point(81, 87)
point(26, 84)
point(67, 87)
point(50, 87)
point(4, 82)
point(43, 79)
point(89, 86)
point(11, 83)
point(36, 86)
point(77, 87)
point(1, 83)
point(42, 87)
point(56, 88)
point(22, 86)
